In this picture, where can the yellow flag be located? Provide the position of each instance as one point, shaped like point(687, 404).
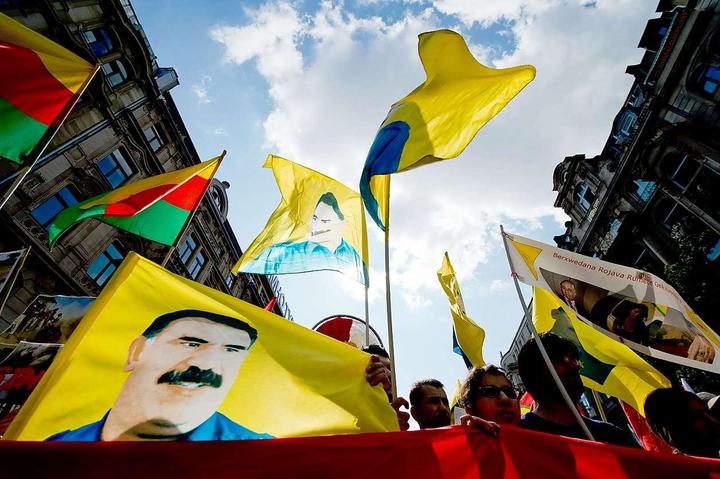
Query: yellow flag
point(468, 336)
point(609, 366)
point(439, 118)
point(318, 225)
point(158, 356)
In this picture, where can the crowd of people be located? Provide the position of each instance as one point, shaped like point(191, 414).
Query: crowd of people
point(689, 423)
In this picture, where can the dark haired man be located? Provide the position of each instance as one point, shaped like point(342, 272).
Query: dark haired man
point(429, 404)
point(488, 394)
point(552, 414)
point(378, 372)
point(683, 420)
point(181, 368)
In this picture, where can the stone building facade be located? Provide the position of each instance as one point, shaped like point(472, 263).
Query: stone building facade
point(125, 127)
point(651, 198)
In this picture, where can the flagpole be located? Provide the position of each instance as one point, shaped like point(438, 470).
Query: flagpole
point(22, 174)
point(15, 274)
point(391, 345)
point(367, 318)
point(599, 405)
point(172, 249)
point(543, 352)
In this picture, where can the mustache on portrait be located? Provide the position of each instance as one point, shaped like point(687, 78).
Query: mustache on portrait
point(193, 374)
point(315, 233)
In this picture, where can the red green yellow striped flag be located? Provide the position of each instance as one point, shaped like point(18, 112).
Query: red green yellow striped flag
point(155, 208)
point(39, 83)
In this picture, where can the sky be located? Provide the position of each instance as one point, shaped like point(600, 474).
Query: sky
point(311, 81)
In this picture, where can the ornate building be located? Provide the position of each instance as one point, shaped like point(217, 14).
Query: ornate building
point(126, 126)
point(651, 198)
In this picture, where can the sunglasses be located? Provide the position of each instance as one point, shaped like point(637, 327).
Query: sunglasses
point(492, 392)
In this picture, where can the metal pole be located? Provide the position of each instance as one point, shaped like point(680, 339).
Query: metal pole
point(598, 404)
point(367, 318)
point(543, 352)
point(391, 345)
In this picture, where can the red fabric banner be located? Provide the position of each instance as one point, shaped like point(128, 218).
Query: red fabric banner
point(451, 453)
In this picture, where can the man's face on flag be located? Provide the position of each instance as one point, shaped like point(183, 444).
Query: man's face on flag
point(567, 288)
point(180, 376)
point(326, 226)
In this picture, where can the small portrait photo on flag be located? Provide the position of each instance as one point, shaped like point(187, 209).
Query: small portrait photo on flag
point(631, 319)
point(50, 319)
point(160, 357)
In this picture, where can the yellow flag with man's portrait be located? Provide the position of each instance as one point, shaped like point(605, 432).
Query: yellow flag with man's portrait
point(160, 357)
point(318, 225)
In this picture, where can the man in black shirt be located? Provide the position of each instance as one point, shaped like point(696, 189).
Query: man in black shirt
point(552, 414)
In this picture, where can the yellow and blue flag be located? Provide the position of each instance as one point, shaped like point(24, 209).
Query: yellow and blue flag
point(318, 225)
point(439, 118)
point(468, 337)
point(160, 357)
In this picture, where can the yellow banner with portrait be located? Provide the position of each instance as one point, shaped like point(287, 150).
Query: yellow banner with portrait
point(318, 225)
point(160, 357)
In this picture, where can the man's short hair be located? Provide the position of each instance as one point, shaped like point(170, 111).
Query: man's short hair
point(567, 280)
point(162, 322)
point(377, 350)
point(533, 370)
point(471, 385)
point(666, 411)
point(416, 393)
point(329, 199)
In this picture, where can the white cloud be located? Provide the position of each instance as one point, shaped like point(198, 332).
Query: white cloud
point(326, 111)
point(201, 90)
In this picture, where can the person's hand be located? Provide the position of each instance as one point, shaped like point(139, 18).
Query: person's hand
point(376, 373)
point(403, 416)
point(488, 427)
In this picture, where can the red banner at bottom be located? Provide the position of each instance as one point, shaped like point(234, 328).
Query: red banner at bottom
point(452, 453)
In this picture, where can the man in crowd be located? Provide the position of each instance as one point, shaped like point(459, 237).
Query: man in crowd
point(429, 404)
point(553, 414)
point(378, 372)
point(683, 420)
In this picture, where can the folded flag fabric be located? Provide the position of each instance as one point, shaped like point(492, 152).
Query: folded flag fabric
point(318, 225)
point(155, 208)
point(158, 356)
point(468, 337)
point(39, 82)
point(439, 118)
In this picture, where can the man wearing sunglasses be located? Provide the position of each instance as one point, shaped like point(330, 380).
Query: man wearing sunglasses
point(490, 400)
point(552, 414)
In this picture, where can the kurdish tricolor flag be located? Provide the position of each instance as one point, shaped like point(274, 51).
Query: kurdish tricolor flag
point(156, 208)
point(39, 83)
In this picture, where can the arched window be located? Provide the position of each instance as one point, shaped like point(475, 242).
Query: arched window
point(706, 80)
point(99, 41)
point(115, 72)
point(624, 125)
point(585, 196)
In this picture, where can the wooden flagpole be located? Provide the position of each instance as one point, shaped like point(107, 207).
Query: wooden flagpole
point(172, 249)
point(541, 347)
point(23, 173)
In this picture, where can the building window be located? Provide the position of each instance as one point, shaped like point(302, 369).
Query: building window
point(196, 265)
point(706, 79)
point(680, 170)
point(105, 265)
point(154, 137)
point(47, 211)
point(115, 168)
point(644, 190)
point(115, 72)
point(230, 280)
point(669, 213)
point(585, 197)
point(99, 41)
point(187, 249)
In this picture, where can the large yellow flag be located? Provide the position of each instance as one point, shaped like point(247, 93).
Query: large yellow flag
point(158, 356)
point(439, 118)
point(468, 337)
point(318, 225)
point(608, 366)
